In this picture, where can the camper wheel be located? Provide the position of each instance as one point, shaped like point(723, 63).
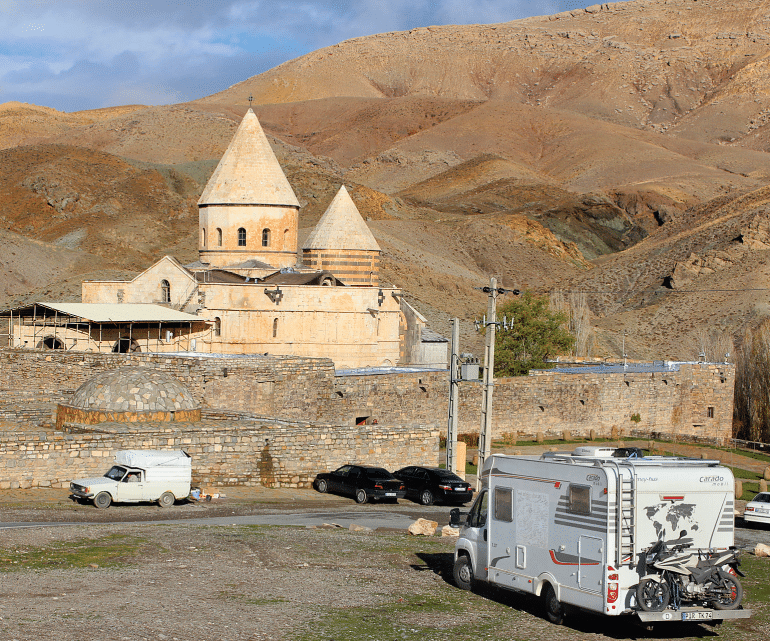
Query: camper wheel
point(166, 499)
point(463, 573)
point(102, 500)
point(554, 610)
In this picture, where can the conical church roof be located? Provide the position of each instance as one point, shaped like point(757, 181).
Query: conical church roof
point(341, 227)
point(248, 173)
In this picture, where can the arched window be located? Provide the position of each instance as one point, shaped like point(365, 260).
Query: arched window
point(50, 342)
point(275, 328)
point(165, 291)
point(265, 238)
point(217, 326)
point(203, 236)
point(219, 237)
point(286, 239)
point(126, 346)
point(241, 237)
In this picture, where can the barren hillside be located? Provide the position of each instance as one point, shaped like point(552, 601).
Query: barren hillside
point(620, 149)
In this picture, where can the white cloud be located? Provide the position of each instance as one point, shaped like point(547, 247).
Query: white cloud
point(90, 53)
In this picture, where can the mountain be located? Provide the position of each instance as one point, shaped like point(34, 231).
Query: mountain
point(620, 150)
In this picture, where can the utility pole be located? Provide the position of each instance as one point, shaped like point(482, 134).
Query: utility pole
point(454, 381)
point(485, 431)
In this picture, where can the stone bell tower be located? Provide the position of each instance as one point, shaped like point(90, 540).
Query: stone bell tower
point(248, 210)
point(342, 244)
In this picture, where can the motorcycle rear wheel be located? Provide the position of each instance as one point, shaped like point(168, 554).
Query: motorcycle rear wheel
point(652, 596)
point(730, 592)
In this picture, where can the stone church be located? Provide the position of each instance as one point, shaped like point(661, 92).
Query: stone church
point(248, 293)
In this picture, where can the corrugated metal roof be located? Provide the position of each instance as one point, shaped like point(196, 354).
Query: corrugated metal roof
point(429, 336)
point(619, 368)
point(373, 371)
point(118, 312)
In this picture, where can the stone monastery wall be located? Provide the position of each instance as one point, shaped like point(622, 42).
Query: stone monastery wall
point(223, 452)
point(399, 416)
point(696, 400)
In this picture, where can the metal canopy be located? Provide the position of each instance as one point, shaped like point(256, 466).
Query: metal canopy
point(116, 312)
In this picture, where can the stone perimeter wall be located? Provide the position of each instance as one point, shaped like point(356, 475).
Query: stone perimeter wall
point(694, 402)
point(224, 452)
point(298, 389)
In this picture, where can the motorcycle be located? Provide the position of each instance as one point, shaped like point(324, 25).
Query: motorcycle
point(672, 574)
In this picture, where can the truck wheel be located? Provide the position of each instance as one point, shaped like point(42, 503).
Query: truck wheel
point(426, 497)
point(730, 592)
point(322, 486)
point(463, 573)
point(554, 610)
point(361, 496)
point(166, 499)
point(652, 596)
point(102, 500)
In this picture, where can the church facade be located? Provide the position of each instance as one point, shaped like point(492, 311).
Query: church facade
point(248, 293)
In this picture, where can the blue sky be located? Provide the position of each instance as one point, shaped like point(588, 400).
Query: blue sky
point(85, 54)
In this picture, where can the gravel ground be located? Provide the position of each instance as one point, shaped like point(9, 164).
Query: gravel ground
point(139, 581)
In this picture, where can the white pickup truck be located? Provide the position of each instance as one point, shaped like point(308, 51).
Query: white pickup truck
point(139, 475)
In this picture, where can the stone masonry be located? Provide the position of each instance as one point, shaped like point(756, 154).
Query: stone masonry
point(224, 452)
point(389, 419)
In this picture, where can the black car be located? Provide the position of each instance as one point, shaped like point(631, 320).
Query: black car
point(363, 482)
point(434, 484)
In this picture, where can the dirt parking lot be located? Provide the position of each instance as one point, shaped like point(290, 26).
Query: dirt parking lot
point(137, 580)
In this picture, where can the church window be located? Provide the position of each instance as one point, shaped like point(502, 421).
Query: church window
point(241, 237)
point(265, 238)
point(203, 236)
point(217, 326)
point(219, 237)
point(165, 291)
point(286, 239)
point(275, 328)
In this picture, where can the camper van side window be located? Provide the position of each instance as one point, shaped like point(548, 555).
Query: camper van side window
point(477, 517)
point(503, 504)
point(580, 499)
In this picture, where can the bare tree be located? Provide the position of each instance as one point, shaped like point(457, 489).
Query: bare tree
point(713, 346)
point(752, 383)
point(575, 306)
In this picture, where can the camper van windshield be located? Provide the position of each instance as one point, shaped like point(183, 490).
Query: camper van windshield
point(116, 473)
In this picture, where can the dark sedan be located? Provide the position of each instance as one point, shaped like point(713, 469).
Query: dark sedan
point(362, 482)
point(429, 485)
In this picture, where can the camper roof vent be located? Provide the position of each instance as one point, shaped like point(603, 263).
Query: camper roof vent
point(593, 450)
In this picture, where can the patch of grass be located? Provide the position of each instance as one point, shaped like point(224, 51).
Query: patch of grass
point(411, 617)
point(110, 551)
point(241, 598)
point(747, 453)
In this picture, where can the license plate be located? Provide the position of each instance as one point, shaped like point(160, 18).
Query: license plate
point(390, 494)
point(696, 616)
point(762, 510)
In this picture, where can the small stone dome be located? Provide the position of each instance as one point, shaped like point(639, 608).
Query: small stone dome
point(133, 389)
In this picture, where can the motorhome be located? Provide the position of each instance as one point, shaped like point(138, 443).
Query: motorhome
point(139, 475)
point(572, 527)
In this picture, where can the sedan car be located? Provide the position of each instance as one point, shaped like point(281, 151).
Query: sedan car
point(363, 482)
point(757, 510)
point(434, 484)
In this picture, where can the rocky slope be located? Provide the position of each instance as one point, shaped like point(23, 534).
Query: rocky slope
point(620, 149)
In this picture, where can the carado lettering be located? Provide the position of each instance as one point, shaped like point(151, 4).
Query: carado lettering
point(711, 479)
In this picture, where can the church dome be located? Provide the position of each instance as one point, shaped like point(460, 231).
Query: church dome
point(133, 389)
